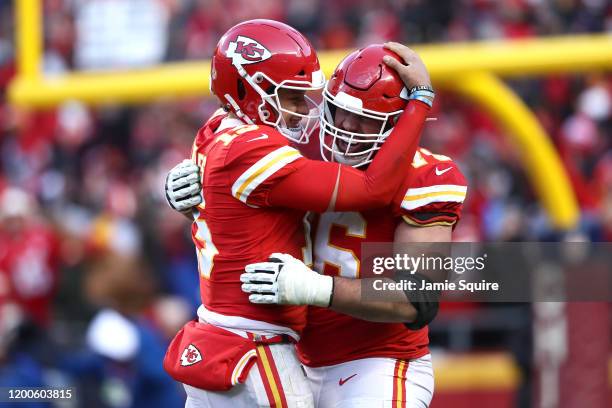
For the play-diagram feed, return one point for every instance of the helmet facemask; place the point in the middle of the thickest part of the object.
(271, 110)
(347, 147)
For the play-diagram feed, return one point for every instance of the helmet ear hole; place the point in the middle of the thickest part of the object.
(391, 123)
(265, 113)
(241, 89)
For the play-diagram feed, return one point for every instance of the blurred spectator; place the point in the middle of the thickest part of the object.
(127, 338)
(29, 257)
(20, 348)
(120, 34)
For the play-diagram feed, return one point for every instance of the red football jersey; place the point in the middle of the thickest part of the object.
(29, 270)
(234, 226)
(432, 195)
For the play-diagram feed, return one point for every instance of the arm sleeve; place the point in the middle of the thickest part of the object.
(320, 186)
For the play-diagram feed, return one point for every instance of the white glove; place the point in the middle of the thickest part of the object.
(285, 280)
(183, 189)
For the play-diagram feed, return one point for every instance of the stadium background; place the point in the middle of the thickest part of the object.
(86, 233)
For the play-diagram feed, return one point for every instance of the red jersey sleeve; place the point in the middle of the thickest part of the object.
(433, 193)
(206, 134)
(258, 160)
(322, 186)
(265, 171)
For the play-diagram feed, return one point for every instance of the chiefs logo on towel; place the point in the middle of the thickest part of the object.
(190, 356)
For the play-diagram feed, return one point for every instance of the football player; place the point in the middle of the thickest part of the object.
(356, 353)
(256, 189)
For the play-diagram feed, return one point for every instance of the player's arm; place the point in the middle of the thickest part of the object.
(398, 307)
(429, 210)
(267, 173)
(320, 186)
(286, 280)
(304, 184)
(279, 178)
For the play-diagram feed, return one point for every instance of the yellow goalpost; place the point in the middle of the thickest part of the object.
(470, 69)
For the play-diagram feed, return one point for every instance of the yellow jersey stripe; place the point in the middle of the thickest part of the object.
(263, 169)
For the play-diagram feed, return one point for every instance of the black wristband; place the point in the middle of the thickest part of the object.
(331, 295)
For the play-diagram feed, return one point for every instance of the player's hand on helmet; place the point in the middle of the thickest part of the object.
(183, 188)
(285, 280)
(413, 71)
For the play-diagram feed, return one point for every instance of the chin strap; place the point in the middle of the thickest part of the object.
(238, 111)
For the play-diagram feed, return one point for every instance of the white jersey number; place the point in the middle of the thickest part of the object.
(327, 253)
(208, 250)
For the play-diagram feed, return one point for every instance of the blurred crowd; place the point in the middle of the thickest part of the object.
(97, 273)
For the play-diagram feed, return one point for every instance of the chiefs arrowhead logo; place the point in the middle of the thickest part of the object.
(190, 356)
(245, 50)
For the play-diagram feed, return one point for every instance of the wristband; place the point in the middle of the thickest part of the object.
(420, 88)
(423, 93)
(427, 101)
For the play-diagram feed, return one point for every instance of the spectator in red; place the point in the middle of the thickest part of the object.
(29, 257)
